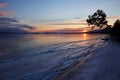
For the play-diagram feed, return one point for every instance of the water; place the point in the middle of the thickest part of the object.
(15, 42)
(41, 56)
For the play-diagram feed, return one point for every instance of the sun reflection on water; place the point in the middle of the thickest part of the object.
(84, 36)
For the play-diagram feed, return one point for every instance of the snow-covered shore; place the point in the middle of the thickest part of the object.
(102, 65)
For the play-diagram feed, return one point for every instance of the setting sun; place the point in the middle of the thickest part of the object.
(84, 30)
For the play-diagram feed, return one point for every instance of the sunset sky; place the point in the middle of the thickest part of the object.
(58, 14)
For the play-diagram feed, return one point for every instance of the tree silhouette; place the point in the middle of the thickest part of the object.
(98, 19)
(116, 29)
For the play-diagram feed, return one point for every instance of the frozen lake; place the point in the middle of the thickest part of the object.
(42, 56)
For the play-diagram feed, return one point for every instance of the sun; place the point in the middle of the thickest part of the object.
(84, 30)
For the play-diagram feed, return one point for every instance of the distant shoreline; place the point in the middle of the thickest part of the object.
(59, 33)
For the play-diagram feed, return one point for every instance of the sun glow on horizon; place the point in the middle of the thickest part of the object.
(84, 30)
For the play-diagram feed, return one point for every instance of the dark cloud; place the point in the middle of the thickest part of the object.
(12, 25)
(26, 26)
(8, 20)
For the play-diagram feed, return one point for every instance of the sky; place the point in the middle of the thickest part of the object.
(57, 14)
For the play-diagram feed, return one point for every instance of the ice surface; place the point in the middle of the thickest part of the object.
(45, 62)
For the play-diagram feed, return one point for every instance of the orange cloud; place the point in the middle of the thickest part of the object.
(6, 13)
(3, 5)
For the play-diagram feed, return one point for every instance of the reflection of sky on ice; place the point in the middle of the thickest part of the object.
(12, 43)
